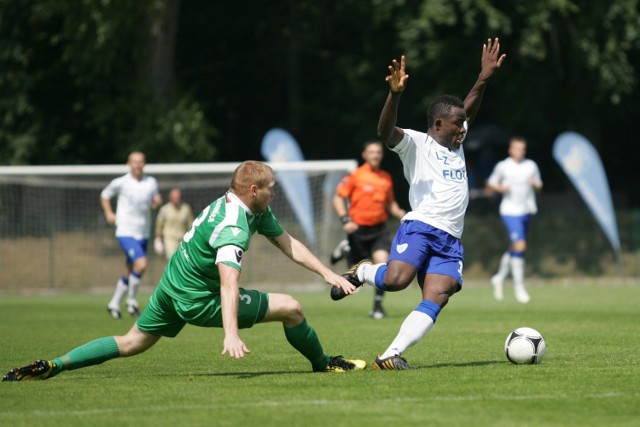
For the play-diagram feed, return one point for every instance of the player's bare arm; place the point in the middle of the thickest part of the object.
(490, 61)
(340, 205)
(109, 215)
(157, 202)
(229, 297)
(301, 255)
(397, 79)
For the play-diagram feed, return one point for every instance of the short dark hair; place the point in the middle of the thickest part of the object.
(441, 108)
(371, 142)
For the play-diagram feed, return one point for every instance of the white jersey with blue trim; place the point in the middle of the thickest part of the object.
(133, 209)
(520, 199)
(438, 186)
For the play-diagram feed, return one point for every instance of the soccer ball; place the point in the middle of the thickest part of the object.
(525, 346)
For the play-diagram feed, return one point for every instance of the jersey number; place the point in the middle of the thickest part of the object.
(196, 222)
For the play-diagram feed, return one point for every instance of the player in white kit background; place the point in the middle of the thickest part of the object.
(137, 196)
(427, 243)
(517, 179)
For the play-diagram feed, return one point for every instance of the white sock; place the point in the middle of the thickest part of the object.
(517, 270)
(134, 282)
(414, 327)
(367, 273)
(503, 269)
(121, 289)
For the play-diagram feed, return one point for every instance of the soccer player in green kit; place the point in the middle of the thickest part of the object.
(200, 286)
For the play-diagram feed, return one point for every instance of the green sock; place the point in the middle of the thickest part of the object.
(304, 339)
(92, 353)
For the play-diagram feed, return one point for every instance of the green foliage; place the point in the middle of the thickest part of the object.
(463, 378)
(73, 87)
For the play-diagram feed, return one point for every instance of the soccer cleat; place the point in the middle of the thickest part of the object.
(114, 312)
(498, 293)
(378, 313)
(340, 251)
(38, 370)
(521, 294)
(393, 363)
(133, 310)
(340, 364)
(352, 276)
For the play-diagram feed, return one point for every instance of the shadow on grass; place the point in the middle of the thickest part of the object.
(246, 375)
(463, 365)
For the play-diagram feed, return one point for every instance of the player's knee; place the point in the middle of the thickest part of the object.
(291, 310)
(140, 265)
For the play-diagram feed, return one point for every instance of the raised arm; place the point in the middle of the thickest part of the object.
(388, 132)
(491, 60)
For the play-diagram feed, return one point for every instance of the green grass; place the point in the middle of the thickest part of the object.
(590, 375)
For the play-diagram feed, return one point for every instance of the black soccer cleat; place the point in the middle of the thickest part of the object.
(114, 312)
(340, 251)
(38, 370)
(340, 364)
(352, 276)
(393, 363)
(133, 310)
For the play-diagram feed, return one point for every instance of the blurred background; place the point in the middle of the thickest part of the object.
(87, 81)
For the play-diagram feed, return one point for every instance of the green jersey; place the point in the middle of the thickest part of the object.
(221, 233)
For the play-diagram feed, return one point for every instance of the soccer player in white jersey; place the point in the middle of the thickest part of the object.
(137, 195)
(427, 243)
(201, 286)
(517, 179)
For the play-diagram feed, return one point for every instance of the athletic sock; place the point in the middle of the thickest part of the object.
(373, 274)
(134, 282)
(415, 326)
(92, 353)
(503, 269)
(121, 289)
(377, 299)
(517, 268)
(303, 338)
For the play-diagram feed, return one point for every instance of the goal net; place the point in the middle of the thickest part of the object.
(53, 235)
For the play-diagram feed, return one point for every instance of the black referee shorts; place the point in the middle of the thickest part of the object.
(368, 239)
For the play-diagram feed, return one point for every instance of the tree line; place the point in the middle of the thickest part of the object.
(86, 81)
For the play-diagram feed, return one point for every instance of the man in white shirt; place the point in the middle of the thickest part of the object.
(517, 179)
(427, 243)
(137, 196)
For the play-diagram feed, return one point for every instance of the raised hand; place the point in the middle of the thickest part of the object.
(491, 58)
(397, 77)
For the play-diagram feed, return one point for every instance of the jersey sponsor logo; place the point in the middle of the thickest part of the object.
(444, 159)
(235, 231)
(239, 255)
(459, 175)
(401, 248)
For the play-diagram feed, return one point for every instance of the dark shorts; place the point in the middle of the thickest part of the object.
(368, 239)
(429, 249)
(165, 316)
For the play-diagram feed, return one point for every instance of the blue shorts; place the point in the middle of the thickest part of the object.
(428, 249)
(133, 248)
(517, 226)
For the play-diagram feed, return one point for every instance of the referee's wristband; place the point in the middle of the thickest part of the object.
(345, 219)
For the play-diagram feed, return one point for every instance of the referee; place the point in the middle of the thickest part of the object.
(368, 193)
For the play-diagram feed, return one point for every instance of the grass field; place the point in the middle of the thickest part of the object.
(590, 375)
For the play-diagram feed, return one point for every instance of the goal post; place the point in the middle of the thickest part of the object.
(53, 235)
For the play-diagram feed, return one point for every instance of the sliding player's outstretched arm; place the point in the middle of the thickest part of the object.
(229, 296)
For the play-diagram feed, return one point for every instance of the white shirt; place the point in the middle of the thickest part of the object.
(438, 187)
(133, 209)
(520, 199)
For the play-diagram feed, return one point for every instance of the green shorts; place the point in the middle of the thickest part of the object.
(165, 316)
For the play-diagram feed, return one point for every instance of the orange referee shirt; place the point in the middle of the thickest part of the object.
(369, 193)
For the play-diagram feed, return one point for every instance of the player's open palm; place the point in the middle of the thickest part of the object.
(491, 57)
(234, 347)
(397, 77)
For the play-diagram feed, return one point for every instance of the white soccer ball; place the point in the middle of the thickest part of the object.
(525, 346)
